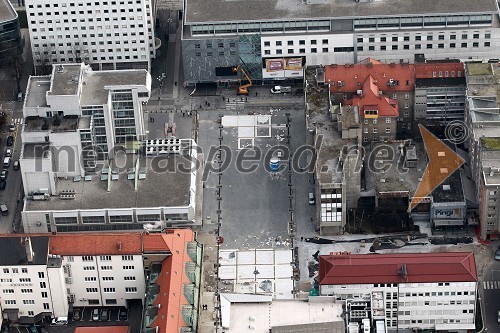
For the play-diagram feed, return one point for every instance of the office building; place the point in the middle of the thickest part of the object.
(10, 33)
(273, 40)
(50, 276)
(108, 34)
(404, 292)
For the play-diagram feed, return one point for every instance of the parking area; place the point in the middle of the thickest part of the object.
(130, 318)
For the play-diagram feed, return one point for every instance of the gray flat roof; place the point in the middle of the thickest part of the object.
(13, 252)
(199, 11)
(7, 12)
(94, 92)
(397, 177)
(160, 188)
(65, 79)
(35, 150)
(482, 79)
(454, 191)
(37, 90)
(34, 124)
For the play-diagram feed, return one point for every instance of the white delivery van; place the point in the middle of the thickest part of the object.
(281, 89)
(6, 162)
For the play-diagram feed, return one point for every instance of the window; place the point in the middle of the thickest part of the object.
(394, 38)
(406, 38)
(452, 45)
(475, 44)
(387, 120)
(325, 50)
(313, 42)
(383, 48)
(302, 42)
(109, 290)
(90, 278)
(105, 258)
(10, 301)
(440, 46)
(418, 38)
(43, 285)
(6, 270)
(290, 51)
(375, 130)
(24, 280)
(28, 301)
(371, 48)
(464, 45)
(128, 257)
(464, 36)
(89, 268)
(278, 43)
(406, 47)
(374, 121)
(91, 290)
(429, 46)
(15, 270)
(129, 278)
(360, 39)
(302, 50)
(314, 50)
(110, 301)
(487, 44)
(487, 35)
(46, 306)
(267, 43)
(407, 95)
(453, 37)
(106, 268)
(128, 268)
(24, 270)
(475, 36)
(31, 313)
(429, 37)
(394, 47)
(130, 289)
(371, 40)
(418, 46)
(87, 258)
(290, 43)
(325, 41)
(8, 291)
(359, 48)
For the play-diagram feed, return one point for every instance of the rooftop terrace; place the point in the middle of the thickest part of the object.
(6, 11)
(65, 79)
(37, 91)
(491, 143)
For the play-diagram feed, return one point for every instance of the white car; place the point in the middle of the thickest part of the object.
(95, 315)
(59, 321)
(8, 152)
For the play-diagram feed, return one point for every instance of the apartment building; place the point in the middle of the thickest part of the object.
(275, 39)
(388, 88)
(404, 292)
(439, 92)
(81, 165)
(44, 277)
(109, 34)
(10, 33)
(482, 137)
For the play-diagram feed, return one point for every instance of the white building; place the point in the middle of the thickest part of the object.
(41, 276)
(407, 291)
(81, 138)
(273, 40)
(108, 34)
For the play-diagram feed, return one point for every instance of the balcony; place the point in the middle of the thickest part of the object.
(150, 315)
(152, 293)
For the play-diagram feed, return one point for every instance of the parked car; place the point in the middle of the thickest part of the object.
(123, 314)
(497, 254)
(77, 314)
(3, 184)
(10, 140)
(95, 314)
(12, 127)
(4, 173)
(32, 329)
(8, 152)
(105, 315)
(16, 165)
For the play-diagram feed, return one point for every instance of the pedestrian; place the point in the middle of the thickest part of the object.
(223, 98)
(183, 114)
(159, 98)
(246, 99)
(256, 94)
(301, 239)
(200, 107)
(208, 103)
(176, 83)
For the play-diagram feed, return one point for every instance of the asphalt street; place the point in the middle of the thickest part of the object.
(489, 290)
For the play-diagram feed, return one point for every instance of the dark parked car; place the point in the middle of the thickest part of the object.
(497, 254)
(10, 140)
(4, 173)
(3, 184)
(105, 315)
(76, 314)
(123, 315)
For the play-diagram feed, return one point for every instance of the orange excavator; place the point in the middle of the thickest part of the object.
(243, 89)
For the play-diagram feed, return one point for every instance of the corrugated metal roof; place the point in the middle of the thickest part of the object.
(386, 268)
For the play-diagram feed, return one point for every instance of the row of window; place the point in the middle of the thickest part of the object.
(375, 130)
(418, 38)
(16, 270)
(312, 50)
(81, 4)
(301, 42)
(427, 46)
(107, 258)
(435, 293)
(108, 278)
(117, 219)
(110, 58)
(111, 290)
(107, 268)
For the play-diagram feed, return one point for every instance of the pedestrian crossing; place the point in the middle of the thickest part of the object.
(18, 120)
(491, 284)
(235, 105)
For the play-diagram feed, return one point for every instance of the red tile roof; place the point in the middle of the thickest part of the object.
(171, 280)
(96, 243)
(386, 268)
(353, 75)
(431, 70)
(372, 100)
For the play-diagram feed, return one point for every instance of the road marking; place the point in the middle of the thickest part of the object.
(484, 284)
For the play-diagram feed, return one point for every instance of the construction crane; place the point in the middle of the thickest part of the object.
(243, 89)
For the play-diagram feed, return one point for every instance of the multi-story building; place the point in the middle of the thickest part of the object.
(407, 291)
(439, 92)
(390, 88)
(273, 40)
(110, 34)
(482, 136)
(10, 33)
(44, 277)
(81, 135)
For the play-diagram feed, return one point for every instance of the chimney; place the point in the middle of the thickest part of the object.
(29, 249)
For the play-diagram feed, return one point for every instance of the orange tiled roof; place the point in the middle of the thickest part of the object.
(353, 75)
(371, 99)
(171, 280)
(96, 243)
(431, 70)
(154, 243)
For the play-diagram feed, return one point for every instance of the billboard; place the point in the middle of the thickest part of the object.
(280, 68)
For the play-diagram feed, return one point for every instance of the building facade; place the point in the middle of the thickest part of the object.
(407, 292)
(103, 270)
(10, 34)
(439, 92)
(273, 41)
(107, 34)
